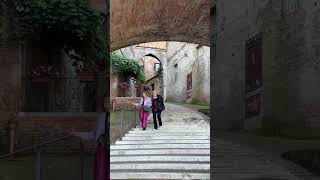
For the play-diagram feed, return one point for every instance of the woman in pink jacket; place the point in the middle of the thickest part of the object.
(145, 108)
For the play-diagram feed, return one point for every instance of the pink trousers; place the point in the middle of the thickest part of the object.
(143, 118)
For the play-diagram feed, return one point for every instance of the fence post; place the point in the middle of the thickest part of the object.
(121, 123)
(38, 163)
(135, 117)
(82, 158)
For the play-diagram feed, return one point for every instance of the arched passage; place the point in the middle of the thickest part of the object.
(152, 67)
(139, 21)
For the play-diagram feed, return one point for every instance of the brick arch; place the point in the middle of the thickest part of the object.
(139, 21)
(153, 56)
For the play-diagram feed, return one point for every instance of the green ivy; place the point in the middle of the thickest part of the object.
(69, 24)
(130, 67)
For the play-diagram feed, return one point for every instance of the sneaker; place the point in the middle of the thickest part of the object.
(155, 128)
(144, 129)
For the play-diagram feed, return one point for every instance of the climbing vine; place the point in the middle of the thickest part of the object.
(130, 67)
(62, 24)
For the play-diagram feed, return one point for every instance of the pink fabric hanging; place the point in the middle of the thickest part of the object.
(102, 169)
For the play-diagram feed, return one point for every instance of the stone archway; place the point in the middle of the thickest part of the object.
(158, 80)
(138, 21)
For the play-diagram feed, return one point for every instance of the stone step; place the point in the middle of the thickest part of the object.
(162, 130)
(165, 137)
(159, 133)
(181, 126)
(162, 166)
(161, 146)
(173, 129)
(166, 141)
(159, 175)
(163, 158)
(161, 152)
(180, 122)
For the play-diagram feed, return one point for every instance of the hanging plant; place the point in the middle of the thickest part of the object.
(129, 67)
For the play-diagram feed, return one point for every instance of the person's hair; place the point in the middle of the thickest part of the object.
(146, 92)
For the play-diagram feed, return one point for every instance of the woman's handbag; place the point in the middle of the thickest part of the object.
(146, 108)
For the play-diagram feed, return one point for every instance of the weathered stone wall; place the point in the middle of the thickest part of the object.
(237, 22)
(289, 57)
(302, 36)
(182, 59)
(201, 76)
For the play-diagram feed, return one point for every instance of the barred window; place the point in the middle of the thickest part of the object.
(289, 7)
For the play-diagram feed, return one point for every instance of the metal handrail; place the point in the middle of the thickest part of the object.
(34, 146)
(38, 163)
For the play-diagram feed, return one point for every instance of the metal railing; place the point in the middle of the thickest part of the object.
(123, 121)
(126, 119)
(38, 160)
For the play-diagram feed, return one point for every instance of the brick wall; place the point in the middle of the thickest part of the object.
(10, 85)
(35, 128)
(184, 21)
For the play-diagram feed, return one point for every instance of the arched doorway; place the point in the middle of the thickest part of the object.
(152, 68)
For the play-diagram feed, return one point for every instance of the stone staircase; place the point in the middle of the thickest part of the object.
(178, 150)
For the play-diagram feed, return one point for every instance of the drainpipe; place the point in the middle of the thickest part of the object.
(12, 128)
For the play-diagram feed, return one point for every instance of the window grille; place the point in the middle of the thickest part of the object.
(289, 7)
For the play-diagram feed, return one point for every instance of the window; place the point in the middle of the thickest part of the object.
(189, 85)
(156, 66)
(175, 73)
(289, 6)
(189, 81)
(254, 63)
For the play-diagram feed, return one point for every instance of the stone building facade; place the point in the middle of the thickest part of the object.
(149, 55)
(188, 77)
(178, 61)
(270, 73)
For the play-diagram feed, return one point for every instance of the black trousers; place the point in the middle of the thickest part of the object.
(157, 115)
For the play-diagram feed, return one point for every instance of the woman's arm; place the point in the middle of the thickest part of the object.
(137, 103)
